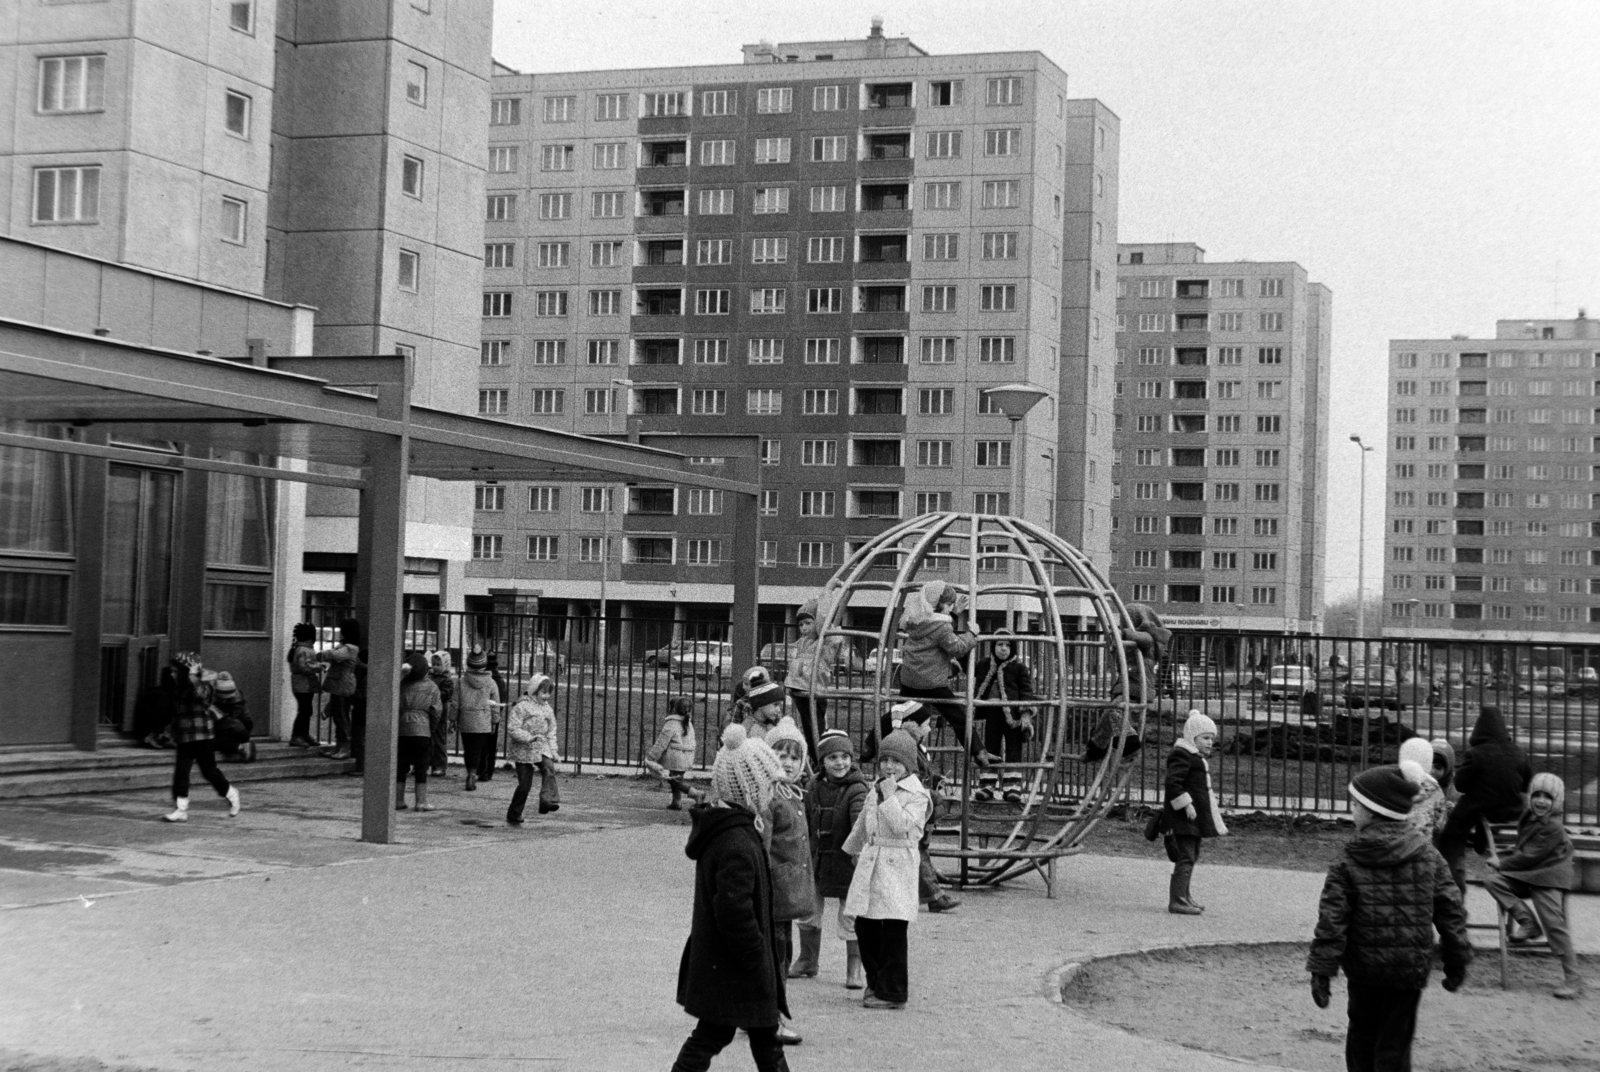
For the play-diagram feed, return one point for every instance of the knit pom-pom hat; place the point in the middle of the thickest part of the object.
(786, 732)
(764, 695)
(1545, 782)
(808, 609)
(1196, 724)
(900, 745)
(1419, 751)
(477, 659)
(1384, 791)
(745, 770)
(833, 741)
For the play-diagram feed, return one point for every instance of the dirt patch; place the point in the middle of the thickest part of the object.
(1292, 842)
(18, 1061)
(1254, 1002)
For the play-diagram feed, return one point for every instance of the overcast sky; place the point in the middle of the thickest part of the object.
(1436, 164)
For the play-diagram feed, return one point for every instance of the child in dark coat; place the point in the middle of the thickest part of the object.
(1539, 869)
(1382, 900)
(833, 802)
(1191, 813)
(728, 977)
(1491, 779)
(1002, 675)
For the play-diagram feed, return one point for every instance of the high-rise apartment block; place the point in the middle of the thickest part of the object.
(833, 245)
(1494, 458)
(1220, 507)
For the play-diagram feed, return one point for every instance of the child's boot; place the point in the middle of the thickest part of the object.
(1177, 892)
(805, 967)
(1572, 987)
(400, 796)
(1524, 928)
(422, 797)
(676, 804)
(233, 801)
(179, 812)
(852, 966)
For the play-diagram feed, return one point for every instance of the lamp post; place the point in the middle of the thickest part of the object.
(1361, 545)
(605, 533)
(1015, 400)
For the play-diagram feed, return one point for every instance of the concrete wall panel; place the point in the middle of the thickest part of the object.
(161, 227)
(47, 716)
(70, 288)
(170, 95)
(176, 313)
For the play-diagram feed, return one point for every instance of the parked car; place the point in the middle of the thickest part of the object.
(1373, 686)
(1290, 682)
(1584, 681)
(1542, 681)
(664, 655)
(870, 665)
(704, 658)
(776, 658)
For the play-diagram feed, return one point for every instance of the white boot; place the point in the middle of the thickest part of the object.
(233, 801)
(179, 812)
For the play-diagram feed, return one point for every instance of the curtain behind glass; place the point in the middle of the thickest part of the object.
(238, 531)
(36, 496)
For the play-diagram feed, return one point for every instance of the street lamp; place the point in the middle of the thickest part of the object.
(605, 532)
(1014, 400)
(1361, 545)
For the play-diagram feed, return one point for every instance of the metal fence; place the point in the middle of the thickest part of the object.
(1299, 716)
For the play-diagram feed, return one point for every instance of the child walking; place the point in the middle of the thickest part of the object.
(883, 890)
(420, 706)
(1539, 869)
(476, 701)
(728, 977)
(794, 891)
(1191, 814)
(531, 728)
(833, 803)
(191, 732)
(1382, 900)
(672, 754)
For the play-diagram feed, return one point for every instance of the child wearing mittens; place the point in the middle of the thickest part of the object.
(789, 849)
(883, 890)
(833, 803)
(672, 754)
(1191, 814)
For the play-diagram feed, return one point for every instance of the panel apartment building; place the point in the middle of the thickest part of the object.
(833, 245)
(1220, 512)
(1494, 456)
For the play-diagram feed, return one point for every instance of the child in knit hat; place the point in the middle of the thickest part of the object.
(728, 977)
(883, 889)
(1431, 808)
(837, 794)
(1539, 869)
(1191, 813)
(1382, 900)
(789, 848)
(234, 724)
(672, 754)
(531, 732)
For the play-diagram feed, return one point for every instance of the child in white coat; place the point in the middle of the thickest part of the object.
(883, 891)
(531, 727)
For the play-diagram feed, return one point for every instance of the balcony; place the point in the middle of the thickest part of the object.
(886, 197)
(883, 350)
(1189, 355)
(658, 154)
(878, 401)
(1189, 389)
(875, 504)
(876, 452)
(881, 300)
(664, 302)
(890, 146)
(658, 352)
(662, 252)
(1186, 456)
(886, 95)
(1193, 288)
(661, 203)
(883, 249)
(1188, 423)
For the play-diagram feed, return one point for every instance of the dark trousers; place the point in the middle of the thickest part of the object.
(883, 954)
(955, 714)
(203, 753)
(1382, 1021)
(339, 711)
(473, 747)
(709, 1039)
(304, 704)
(412, 757)
(439, 747)
(549, 794)
(1184, 852)
(491, 752)
(358, 729)
(1464, 824)
(812, 718)
(927, 877)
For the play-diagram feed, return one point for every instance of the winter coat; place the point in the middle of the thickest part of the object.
(729, 970)
(1543, 854)
(1493, 775)
(341, 662)
(832, 807)
(531, 730)
(1430, 809)
(674, 747)
(926, 652)
(193, 718)
(1189, 782)
(798, 677)
(445, 681)
(1009, 680)
(475, 701)
(794, 891)
(884, 842)
(1381, 902)
(419, 705)
(305, 675)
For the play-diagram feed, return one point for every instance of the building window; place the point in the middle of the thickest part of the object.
(769, 251)
(1002, 193)
(605, 303)
(944, 144)
(999, 91)
(764, 400)
(814, 452)
(719, 102)
(936, 401)
(998, 297)
(935, 454)
(493, 351)
(555, 157)
(1000, 246)
(939, 299)
(236, 116)
(555, 206)
(1271, 322)
(416, 84)
(774, 100)
(488, 548)
(720, 152)
(941, 195)
(830, 149)
(409, 265)
(997, 349)
(500, 208)
(650, 550)
(235, 223)
(708, 402)
(543, 548)
(994, 453)
(242, 16)
(1272, 287)
(489, 497)
(822, 351)
(824, 300)
(554, 254)
(816, 504)
(773, 150)
(550, 351)
(610, 106)
(1006, 142)
(550, 303)
(599, 401)
(704, 552)
(66, 195)
(770, 200)
(817, 555)
(766, 301)
(827, 99)
(497, 303)
(828, 199)
(505, 112)
(711, 351)
(992, 502)
(712, 302)
(819, 402)
(560, 109)
(705, 501)
(1264, 595)
(411, 176)
(606, 205)
(549, 400)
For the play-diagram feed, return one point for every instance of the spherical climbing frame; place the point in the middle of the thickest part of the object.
(1081, 683)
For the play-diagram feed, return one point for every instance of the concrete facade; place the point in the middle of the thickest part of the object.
(1491, 492)
(1222, 449)
(836, 253)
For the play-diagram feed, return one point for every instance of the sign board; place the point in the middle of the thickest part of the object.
(1172, 621)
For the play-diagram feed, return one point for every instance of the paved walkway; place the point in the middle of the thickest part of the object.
(278, 941)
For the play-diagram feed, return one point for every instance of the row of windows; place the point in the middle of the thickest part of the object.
(1575, 388)
(71, 195)
(1405, 526)
(764, 200)
(1192, 423)
(1439, 582)
(768, 249)
(1181, 390)
(1499, 500)
(1494, 612)
(1444, 470)
(763, 301)
(1266, 287)
(769, 100)
(1196, 356)
(1496, 556)
(1260, 595)
(863, 350)
(1195, 491)
(1500, 444)
(713, 401)
(1260, 561)
(1571, 359)
(1158, 524)
(71, 85)
(1535, 415)
(1154, 322)
(1196, 456)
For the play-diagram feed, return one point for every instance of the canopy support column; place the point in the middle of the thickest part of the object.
(746, 568)
(87, 593)
(187, 616)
